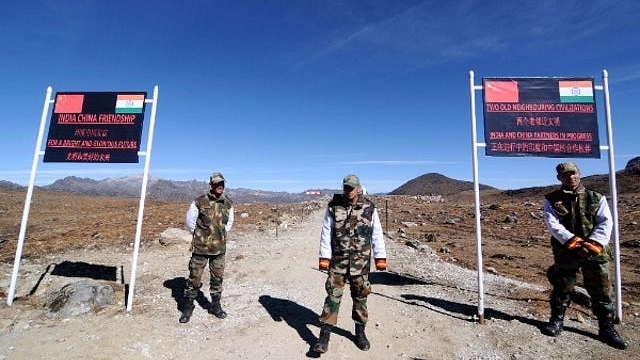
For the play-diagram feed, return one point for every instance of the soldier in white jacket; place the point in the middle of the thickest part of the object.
(209, 218)
(580, 224)
(351, 235)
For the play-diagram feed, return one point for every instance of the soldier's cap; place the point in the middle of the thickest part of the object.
(216, 178)
(566, 167)
(351, 180)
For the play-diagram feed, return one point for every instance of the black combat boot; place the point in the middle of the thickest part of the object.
(323, 340)
(608, 334)
(187, 311)
(215, 308)
(361, 339)
(556, 321)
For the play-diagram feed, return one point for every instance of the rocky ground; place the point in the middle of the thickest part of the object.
(424, 307)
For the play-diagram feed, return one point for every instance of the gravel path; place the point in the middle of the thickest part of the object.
(422, 308)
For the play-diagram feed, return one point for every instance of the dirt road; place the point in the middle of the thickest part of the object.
(422, 308)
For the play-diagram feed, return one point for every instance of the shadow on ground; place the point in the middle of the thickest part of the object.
(469, 313)
(299, 318)
(177, 286)
(79, 269)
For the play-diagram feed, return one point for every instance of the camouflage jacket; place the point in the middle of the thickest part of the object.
(210, 233)
(583, 212)
(351, 232)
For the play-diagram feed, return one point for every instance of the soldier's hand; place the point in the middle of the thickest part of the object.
(593, 247)
(323, 264)
(575, 243)
(381, 264)
(578, 246)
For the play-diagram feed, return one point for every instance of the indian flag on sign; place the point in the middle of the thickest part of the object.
(129, 103)
(576, 91)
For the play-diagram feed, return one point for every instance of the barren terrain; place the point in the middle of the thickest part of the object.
(424, 307)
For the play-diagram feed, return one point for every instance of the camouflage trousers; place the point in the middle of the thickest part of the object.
(595, 273)
(196, 270)
(360, 288)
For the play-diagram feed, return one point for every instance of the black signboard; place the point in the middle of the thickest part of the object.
(546, 117)
(96, 127)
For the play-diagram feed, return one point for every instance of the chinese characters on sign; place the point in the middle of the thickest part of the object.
(547, 117)
(103, 127)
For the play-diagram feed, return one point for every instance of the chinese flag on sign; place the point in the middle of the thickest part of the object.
(501, 91)
(68, 104)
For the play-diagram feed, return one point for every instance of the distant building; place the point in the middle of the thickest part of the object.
(313, 192)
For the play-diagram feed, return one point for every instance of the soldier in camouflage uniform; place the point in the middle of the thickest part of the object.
(351, 232)
(209, 218)
(580, 223)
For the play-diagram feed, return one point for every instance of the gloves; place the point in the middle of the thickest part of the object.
(574, 243)
(593, 247)
(583, 247)
(381, 264)
(323, 264)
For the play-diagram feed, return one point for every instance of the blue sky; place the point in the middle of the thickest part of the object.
(291, 95)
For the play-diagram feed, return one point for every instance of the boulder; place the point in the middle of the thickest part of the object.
(172, 235)
(79, 298)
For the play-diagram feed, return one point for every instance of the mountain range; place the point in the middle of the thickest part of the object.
(162, 189)
(427, 184)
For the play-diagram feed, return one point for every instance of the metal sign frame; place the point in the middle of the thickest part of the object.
(612, 183)
(27, 204)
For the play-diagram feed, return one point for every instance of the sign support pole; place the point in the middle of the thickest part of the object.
(614, 195)
(143, 195)
(27, 203)
(476, 191)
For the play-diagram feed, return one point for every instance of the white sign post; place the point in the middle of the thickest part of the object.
(38, 153)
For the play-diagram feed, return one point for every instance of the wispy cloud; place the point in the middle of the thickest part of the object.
(626, 73)
(418, 36)
(431, 33)
(627, 156)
